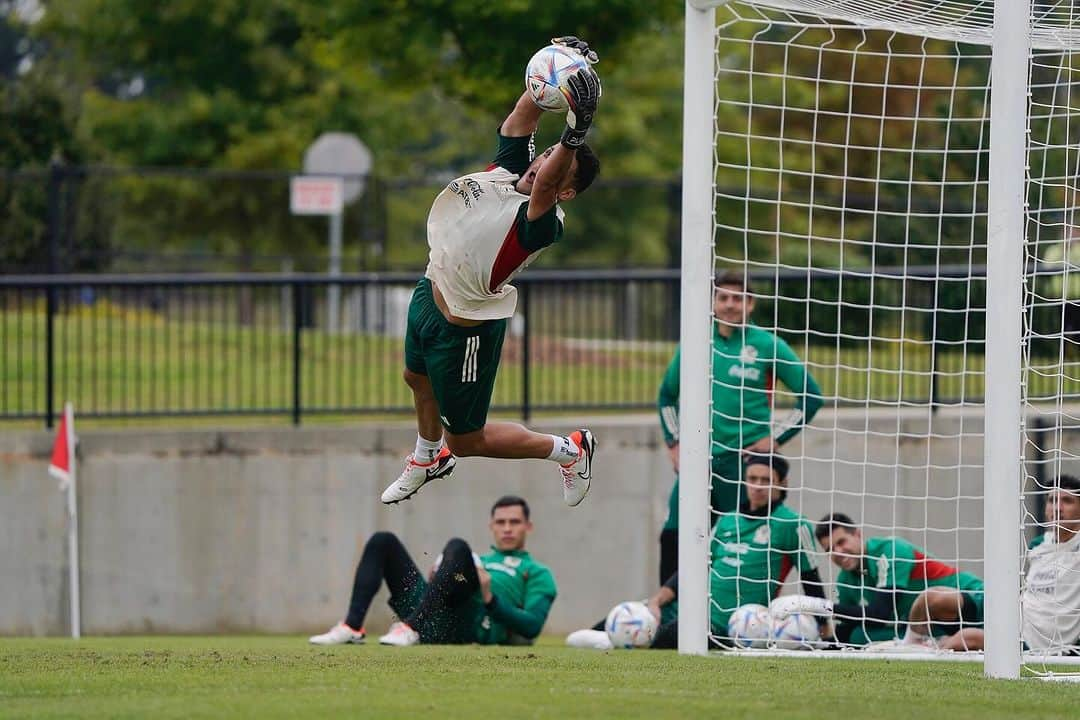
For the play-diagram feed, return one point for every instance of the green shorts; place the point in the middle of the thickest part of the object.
(460, 362)
(724, 495)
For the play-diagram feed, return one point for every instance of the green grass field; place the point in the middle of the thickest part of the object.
(269, 677)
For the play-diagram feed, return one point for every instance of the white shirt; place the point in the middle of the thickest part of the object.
(472, 230)
(1051, 595)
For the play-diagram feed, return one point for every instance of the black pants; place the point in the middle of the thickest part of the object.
(442, 611)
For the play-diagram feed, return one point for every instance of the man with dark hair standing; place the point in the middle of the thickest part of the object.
(502, 597)
(747, 361)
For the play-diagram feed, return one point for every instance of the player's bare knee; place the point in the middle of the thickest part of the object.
(417, 383)
(466, 445)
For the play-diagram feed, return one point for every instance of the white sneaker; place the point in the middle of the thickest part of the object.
(340, 634)
(415, 476)
(589, 639)
(577, 476)
(400, 635)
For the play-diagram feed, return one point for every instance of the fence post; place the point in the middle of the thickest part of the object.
(526, 410)
(298, 304)
(56, 180)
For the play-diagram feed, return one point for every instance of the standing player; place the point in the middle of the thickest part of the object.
(746, 361)
(483, 230)
(885, 582)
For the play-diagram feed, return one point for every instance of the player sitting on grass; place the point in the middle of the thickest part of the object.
(484, 229)
(753, 550)
(1051, 595)
(502, 597)
(887, 585)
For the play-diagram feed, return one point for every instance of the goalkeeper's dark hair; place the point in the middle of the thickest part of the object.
(588, 167)
(832, 522)
(511, 501)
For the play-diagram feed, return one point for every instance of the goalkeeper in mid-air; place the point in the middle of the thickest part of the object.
(483, 229)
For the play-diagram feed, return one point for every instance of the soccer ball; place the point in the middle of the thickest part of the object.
(630, 625)
(547, 73)
(798, 631)
(748, 626)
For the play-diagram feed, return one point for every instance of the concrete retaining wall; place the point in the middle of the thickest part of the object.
(260, 530)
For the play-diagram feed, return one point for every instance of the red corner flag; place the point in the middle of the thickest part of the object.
(60, 465)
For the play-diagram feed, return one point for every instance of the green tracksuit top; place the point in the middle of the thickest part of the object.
(745, 368)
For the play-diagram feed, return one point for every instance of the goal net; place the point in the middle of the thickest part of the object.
(918, 282)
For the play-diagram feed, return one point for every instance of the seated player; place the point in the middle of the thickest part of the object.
(502, 597)
(753, 550)
(1050, 599)
(887, 585)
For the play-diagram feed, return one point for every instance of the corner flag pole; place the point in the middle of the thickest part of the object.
(62, 467)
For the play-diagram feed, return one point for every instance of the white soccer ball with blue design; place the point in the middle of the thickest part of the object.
(546, 75)
(631, 625)
(798, 631)
(748, 626)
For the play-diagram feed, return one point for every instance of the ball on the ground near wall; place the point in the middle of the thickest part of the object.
(748, 626)
(631, 625)
(547, 72)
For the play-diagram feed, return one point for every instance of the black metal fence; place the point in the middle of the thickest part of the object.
(127, 346)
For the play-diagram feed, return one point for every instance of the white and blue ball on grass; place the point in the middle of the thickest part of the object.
(749, 626)
(631, 625)
(798, 631)
(546, 75)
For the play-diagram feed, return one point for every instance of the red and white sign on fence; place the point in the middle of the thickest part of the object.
(314, 195)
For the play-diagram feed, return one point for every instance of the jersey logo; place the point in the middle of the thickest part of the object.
(511, 561)
(882, 571)
(762, 535)
(748, 354)
(467, 189)
(746, 373)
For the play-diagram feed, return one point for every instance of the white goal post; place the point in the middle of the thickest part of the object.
(863, 162)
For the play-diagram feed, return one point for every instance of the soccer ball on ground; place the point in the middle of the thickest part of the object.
(798, 631)
(748, 626)
(547, 73)
(630, 625)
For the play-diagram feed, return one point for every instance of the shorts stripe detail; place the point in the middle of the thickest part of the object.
(468, 367)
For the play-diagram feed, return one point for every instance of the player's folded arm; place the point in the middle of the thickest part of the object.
(526, 622)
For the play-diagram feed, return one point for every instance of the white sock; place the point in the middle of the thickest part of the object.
(426, 450)
(913, 638)
(563, 450)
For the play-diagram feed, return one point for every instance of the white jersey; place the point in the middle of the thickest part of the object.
(472, 233)
(1051, 596)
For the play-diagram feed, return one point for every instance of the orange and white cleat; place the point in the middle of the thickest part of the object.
(416, 476)
(577, 476)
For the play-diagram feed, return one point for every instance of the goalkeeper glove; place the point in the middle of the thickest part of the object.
(781, 607)
(585, 91)
(581, 46)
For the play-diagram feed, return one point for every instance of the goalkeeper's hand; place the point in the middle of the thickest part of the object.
(781, 607)
(581, 46)
(585, 91)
